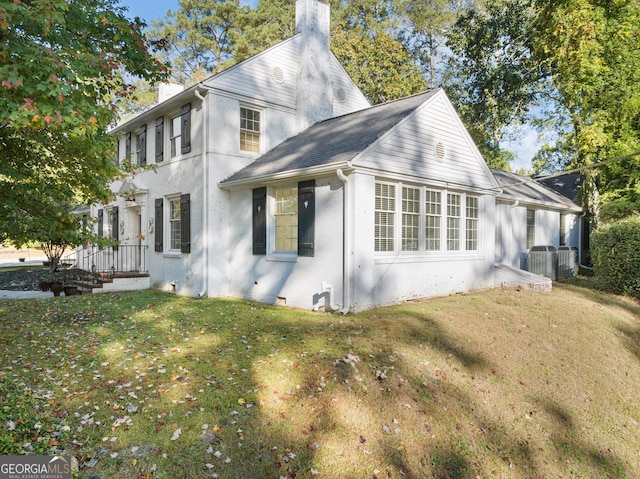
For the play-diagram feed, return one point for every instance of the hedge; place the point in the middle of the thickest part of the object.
(615, 252)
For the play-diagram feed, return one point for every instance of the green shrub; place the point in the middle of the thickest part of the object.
(615, 252)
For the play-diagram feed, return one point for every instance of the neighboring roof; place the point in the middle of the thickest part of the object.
(567, 185)
(331, 142)
(524, 188)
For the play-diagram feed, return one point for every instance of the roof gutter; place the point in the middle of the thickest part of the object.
(299, 173)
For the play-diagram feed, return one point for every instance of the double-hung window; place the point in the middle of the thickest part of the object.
(291, 221)
(174, 224)
(286, 220)
(385, 217)
(433, 218)
(454, 215)
(180, 132)
(413, 219)
(176, 136)
(473, 214)
(410, 219)
(249, 130)
(531, 228)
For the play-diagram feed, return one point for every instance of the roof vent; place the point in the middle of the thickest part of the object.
(278, 75)
(440, 151)
(342, 95)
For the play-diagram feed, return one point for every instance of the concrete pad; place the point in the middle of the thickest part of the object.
(6, 294)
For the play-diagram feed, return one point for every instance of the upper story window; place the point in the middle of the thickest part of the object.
(175, 137)
(413, 217)
(180, 132)
(249, 130)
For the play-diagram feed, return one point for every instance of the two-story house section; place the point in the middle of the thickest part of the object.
(172, 219)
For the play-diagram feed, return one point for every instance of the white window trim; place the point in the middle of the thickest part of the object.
(272, 254)
(168, 250)
(261, 143)
(422, 254)
(170, 137)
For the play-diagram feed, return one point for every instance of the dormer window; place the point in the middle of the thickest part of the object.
(249, 130)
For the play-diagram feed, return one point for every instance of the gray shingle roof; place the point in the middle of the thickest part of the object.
(333, 141)
(567, 185)
(525, 188)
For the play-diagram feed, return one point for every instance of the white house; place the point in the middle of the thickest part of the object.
(275, 180)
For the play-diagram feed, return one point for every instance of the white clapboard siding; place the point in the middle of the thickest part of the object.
(410, 148)
(347, 97)
(255, 77)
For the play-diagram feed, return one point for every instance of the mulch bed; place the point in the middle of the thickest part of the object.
(28, 279)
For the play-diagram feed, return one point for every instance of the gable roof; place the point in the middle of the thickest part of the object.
(330, 143)
(524, 188)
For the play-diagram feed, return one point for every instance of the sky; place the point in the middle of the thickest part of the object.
(150, 10)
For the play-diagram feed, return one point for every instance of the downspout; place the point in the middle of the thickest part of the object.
(205, 194)
(346, 241)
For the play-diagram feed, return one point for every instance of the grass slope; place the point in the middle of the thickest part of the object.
(499, 384)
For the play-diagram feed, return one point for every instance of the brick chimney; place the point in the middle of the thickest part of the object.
(314, 89)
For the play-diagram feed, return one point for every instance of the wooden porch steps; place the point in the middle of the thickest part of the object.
(88, 283)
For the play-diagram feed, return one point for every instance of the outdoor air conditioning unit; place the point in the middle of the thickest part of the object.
(567, 261)
(543, 260)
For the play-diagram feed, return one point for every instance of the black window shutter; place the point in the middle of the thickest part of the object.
(306, 217)
(260, 221)
(100, 223)
(117, 151)
(143, 145)
(185, 223)
(115, 220)
(185, 132)
(159, 225)
(127, 146)
(159, 139)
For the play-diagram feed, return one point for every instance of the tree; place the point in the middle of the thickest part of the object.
(62, 65)
(494, 78)
(362, 40)
(380, 66)
(592, 49)
(271, 22)
(426, 24)
(200, 37)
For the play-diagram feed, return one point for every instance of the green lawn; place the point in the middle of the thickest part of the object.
(498, 384)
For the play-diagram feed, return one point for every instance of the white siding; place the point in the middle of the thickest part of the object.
(410, 148)
(254, 78)
(384, 279)
(347, 98)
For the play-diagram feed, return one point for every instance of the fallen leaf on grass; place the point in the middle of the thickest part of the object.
(176, 434)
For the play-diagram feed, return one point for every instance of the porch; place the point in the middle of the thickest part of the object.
(109, 268)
